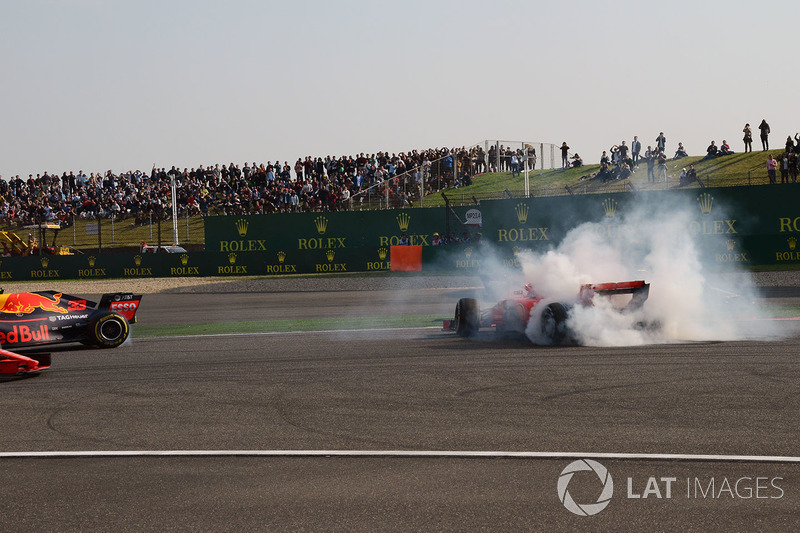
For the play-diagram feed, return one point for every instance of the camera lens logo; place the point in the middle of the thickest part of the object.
(585, 509)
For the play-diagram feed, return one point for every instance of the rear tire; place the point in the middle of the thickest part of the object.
(108, 330)
(554, 323)
(468, 317)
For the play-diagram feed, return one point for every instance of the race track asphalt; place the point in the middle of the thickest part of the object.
(408, 390)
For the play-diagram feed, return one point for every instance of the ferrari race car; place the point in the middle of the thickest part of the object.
(16, 365)
(48, 317)
(513, 314)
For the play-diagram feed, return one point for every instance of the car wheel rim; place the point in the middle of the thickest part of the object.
(111, 330)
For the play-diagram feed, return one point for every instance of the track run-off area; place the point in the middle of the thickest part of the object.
(395, 425)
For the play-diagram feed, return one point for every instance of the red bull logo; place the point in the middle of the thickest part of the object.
(28, 302)
(23, 334)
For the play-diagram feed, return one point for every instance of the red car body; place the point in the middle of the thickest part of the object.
(16, 365)
(513, 314)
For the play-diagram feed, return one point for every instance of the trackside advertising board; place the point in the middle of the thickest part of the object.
(757, 225)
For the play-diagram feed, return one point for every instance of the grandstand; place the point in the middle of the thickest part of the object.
(124, 209)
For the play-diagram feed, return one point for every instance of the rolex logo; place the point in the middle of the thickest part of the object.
(610, 207)
(522, 212)
(706, 201)
(792, 243)
(382, 253)
(232, 258)
(515, 250)
(402, 221)
(91, 260)
(468, 252)
(321, 223)
(731, 244)
(330, 254)
(45, 261)
(137, 260)
(184, 259)
(241, 227)
(281, 257)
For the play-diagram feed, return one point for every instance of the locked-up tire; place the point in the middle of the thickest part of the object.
(554, 323)
(108, 330)
(468, 317)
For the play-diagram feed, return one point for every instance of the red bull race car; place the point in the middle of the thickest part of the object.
(32, 319)
(511, 315)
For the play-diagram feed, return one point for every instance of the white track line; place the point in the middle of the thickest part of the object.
(406, 454)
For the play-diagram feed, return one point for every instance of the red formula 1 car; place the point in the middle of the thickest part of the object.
(32, 319)
(512, 314)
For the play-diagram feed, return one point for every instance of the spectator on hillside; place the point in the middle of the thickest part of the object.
(680, 152)
(764, 127)
(623, 151)
(662, 166)
(688, 176)
(661, 142)
(514, 165)
(711, 151)
(636, 149)
(564, 155)
(748, 138)
(650, 158)
(772, 166)
(724, 148)
(784, 164)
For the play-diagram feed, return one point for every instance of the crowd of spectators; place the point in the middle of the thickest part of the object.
(311, 184)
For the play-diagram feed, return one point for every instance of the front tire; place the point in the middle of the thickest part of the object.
(554, 323)
(108, 330)
(468, 317)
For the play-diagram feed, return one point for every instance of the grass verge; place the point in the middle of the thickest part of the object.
(272, 326)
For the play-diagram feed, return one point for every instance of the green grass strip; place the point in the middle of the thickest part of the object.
(783, 310)
(264, 326)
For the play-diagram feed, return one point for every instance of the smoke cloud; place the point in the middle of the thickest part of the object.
(653, 242)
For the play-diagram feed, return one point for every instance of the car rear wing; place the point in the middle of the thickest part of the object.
(124, 303)
(639, 290)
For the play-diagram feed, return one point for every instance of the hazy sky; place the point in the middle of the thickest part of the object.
(113, 84)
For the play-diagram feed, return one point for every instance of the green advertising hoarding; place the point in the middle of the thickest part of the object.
(757, 225)
(332, 230)
(749, 225)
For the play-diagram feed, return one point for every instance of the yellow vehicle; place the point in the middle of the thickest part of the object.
(13, 244)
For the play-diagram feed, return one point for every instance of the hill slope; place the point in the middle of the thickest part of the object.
(725, 171)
